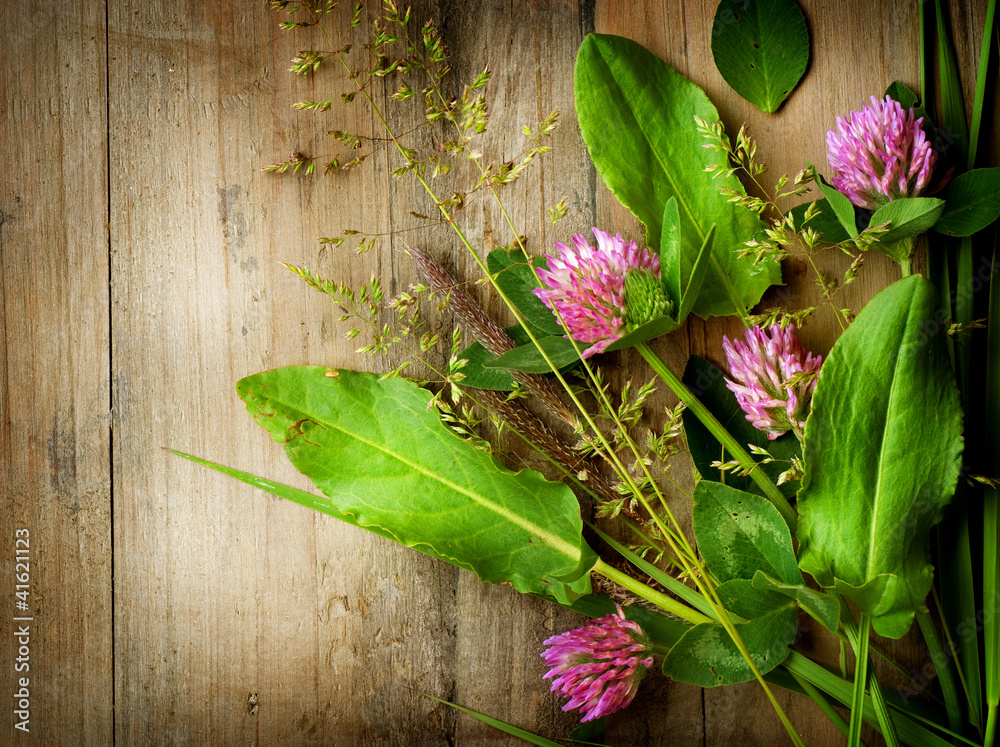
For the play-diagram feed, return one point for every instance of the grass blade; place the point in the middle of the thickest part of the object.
(942, 664)
(984, 63)
(953, 108)
(527, 736)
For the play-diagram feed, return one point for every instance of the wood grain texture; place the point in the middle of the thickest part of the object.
(238, 618)
(54, 385)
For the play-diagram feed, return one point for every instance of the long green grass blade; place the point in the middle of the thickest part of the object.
(527, 736)
(991, 514)
(942, 664)
(860, 642)
(953, 108)
(984, 63)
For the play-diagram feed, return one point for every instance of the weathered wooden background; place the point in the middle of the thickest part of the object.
(140, 278)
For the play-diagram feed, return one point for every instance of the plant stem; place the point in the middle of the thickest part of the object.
(906, 265)
(650, 595)
(942, 664)
(716, 428)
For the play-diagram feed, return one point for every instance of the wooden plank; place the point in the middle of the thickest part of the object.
(54, 387)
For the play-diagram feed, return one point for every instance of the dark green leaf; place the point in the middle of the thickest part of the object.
(739, 534)
(824, 222)
(517, 280)
(842, 207)
(643, 333)
(953, 124)
(637, 115)
(973, 203)
(386, 460)
(909, 216)
(708, 384)
(882, 451)
(900, 93)
(823, 607)
(706, 655)
(528, 358)
(589, 731)
(478, 376)
(761, 49)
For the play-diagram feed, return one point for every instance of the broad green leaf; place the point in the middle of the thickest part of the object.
(823, 607)
(842, 207)
(909, 216)
(739, 534)
(882, 452)
(824, 222)
(560, 350)
(384, 458)
(706, 655)
(761, 49)
(517, 280)
(478, 376)
(708, 384)
(636, 115)
(973, 203)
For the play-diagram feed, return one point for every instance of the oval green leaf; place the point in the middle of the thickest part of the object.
(824, 221)
(882, 452)
(972, 204)
(841, 206)
(636, 115)
(907, 216)
(385, 460)
(761, 49)
(518, 280)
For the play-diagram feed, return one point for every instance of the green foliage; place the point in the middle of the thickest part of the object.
(528, 358)
(739, 534)
(706, 655)
(708, 384)
(517, 280)
(882, 452)
(821, 219)
(909, 217)
(823, 607)
(381, 454)
(841, 206)
(973, 203)
(761, 49)
(637, 117)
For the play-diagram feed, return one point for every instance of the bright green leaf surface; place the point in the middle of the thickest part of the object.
(909, 216)
(693, 272)
(973, 203)
(560, 350)
(670, 252)
(883, 452)
(761, 49)
(739, 534)
(636, 115)
(478, 376)
(708, 383)
(388, 462)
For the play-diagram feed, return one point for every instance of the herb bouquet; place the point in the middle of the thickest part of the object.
(825, 486)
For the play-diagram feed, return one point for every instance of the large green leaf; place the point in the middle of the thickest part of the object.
(708, 383)
(739, 534)
(882, 452)
(761, 49)
(388, 463)
(907, 217)
(706, 655)
(973, 203)
(636, 115)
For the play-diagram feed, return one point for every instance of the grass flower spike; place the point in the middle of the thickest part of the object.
(587, 286)
(879, 154)
(599, 666)
(773, 379)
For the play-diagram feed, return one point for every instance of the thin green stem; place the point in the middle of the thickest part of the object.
(906, 265)
(734, 447)
(652, 596)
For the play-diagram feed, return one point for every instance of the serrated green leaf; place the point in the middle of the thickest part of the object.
(882, 453)
(708, 383)
(386, 461)
(739, 534)
(636, 115)
(824, 222)
(761, 49)
(842, 207)
(909, 216)
(517, 280)
(972, 203)
(823, 607)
